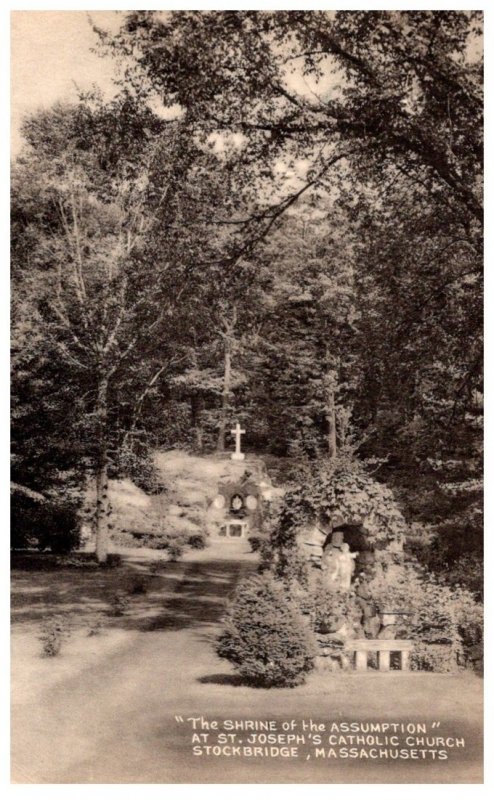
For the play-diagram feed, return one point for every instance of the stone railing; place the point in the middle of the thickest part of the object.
(334, 653)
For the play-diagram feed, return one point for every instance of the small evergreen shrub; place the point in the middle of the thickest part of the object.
(95, 628)
(53, 634)
(113, 560)
(197, 541)
(265, 636)
(119, 603)
(139, 585)
(255, 543)
(158, 542)
(175, 550)
(126, 539)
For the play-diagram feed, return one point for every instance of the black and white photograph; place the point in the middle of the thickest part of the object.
(246, 487)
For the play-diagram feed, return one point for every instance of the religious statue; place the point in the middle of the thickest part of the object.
(339, 564)
(345, 566)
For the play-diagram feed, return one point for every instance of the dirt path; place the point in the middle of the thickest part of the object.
(115, 721)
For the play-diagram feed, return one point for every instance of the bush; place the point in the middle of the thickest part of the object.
(126, 539)
(467, 571)
(197, 541)
(113, 560)
(119, 604)
(265, 636)
(156, 542)
(255, 543)
(139, 585)
(332, 611)
(289, 564)
(175, 550)
(53, 633)
(446, 622)
(44, 524)
(62, 533)
(442, 551)
(95, 628)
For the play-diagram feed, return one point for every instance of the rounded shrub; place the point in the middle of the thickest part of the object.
(62, 531)
(175, 550)
(265, 636)
(44, 524)
(197, 541)
(255, 543)
(54, 632)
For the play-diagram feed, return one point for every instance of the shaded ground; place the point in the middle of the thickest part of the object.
(105, 710)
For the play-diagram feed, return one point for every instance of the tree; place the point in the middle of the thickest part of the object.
(403, 87)
(301, 367)
(379, 111)
(91, 187)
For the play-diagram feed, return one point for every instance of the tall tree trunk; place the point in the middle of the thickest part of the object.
(196, 409)
(225, 401)
(331, 417)
(102, 498)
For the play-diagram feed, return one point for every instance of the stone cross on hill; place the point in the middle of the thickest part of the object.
(237, 432)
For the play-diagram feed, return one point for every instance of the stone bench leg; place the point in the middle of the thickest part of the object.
(361, 661)
(383, 658)
(405, 660)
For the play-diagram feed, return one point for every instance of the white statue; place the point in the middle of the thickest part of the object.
(344, 566)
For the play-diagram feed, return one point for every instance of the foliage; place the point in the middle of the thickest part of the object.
(467, 572)
(446, 622)
(197, 541)
(330, 611)
(175, 550)
(137, 464)
(410, 99)
(255, 543)
(102, 253)
(44, 523)
(343, 491)
(119, 604)
(95, 628)
(139, 585)
(358, 136)
(265, 636)
(62, 534)
(452, 559)
(55, 631)
(289, 565)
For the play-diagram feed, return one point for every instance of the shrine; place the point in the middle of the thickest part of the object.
(244, 489)
(239, 502)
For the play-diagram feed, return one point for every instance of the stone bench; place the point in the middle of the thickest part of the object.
(383, 648)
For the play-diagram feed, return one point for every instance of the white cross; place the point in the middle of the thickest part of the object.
(237, 432)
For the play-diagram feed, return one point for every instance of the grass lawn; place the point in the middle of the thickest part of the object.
(105, 709)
